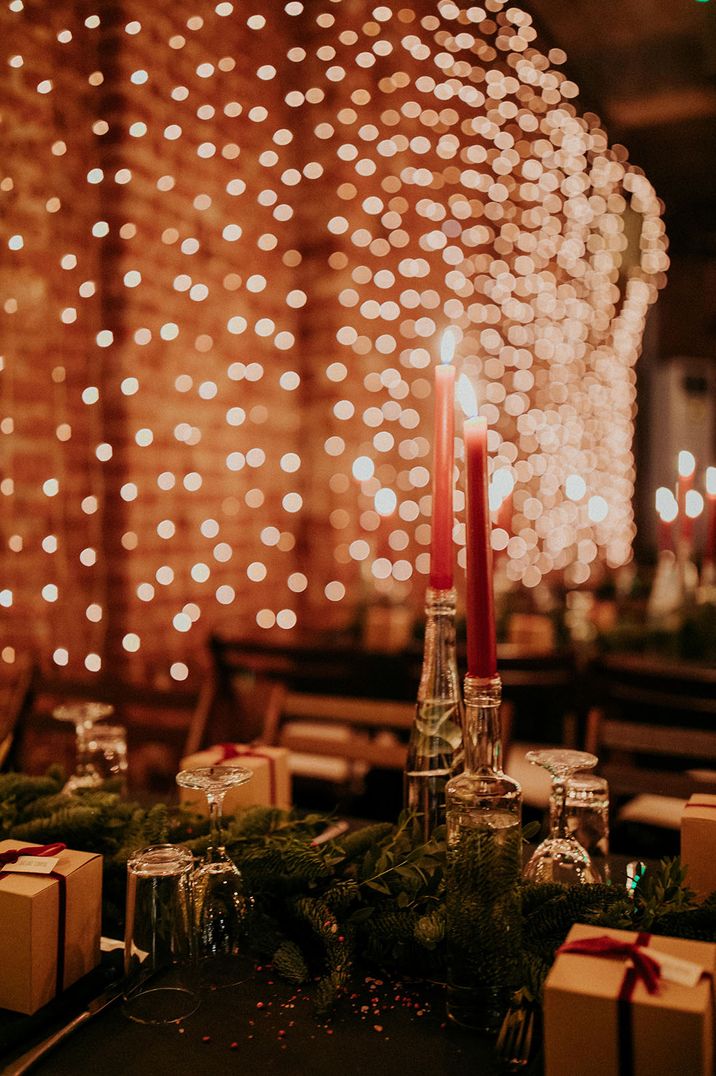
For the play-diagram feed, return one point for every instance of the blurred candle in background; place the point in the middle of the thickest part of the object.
(693, 507)
(667, 509)
(480, 602)
(710, 549)
(441, 547)
(686, 469)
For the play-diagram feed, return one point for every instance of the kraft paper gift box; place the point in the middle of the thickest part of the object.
(600, 1019)
(48, 938)
(270, 785)
(698, 843)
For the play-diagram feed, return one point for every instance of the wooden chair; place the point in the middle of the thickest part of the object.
(157, 721)
(13, 693)
(371, 731)
(238, 703)
(543, 706)
(652, 729)
(340, 711)
(261, 690)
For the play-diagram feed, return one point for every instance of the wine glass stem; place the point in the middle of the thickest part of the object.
(216, 802)
(81, 748)
(559, 792)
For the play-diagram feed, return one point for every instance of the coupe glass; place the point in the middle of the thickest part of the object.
(560, 857)
(221, 905)
(83, 715)
(587, 818)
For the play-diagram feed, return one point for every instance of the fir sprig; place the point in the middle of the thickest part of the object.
(374, 896)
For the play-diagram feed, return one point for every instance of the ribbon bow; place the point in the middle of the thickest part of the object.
(646, 968)
(12, 856)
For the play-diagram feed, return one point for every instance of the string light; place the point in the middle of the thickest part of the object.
(442, 177)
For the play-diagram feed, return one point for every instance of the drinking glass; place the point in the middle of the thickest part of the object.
(560, 857)
(106, 747)
(83, 715)
(159, 965)
(587, 817)
(221, 905)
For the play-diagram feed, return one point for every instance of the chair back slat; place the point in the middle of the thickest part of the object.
(658, 740)
(651, 728)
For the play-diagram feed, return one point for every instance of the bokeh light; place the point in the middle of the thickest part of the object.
(243, 284)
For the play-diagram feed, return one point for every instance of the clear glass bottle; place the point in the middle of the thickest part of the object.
(435, 749)
(484, 866)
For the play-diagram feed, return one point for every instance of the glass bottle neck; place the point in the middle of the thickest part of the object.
(482, 733)
(439, 677)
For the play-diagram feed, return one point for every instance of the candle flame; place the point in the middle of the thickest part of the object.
(467, 397)
(687, 463)
(693, 504)
(711, 481)
(666, 505)
(447, 346)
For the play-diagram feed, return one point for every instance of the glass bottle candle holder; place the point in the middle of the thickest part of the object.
(435, 748)
(484, 864)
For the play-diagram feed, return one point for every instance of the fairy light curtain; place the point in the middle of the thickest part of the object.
(233, 238)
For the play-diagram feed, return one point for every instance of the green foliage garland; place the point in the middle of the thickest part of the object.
(371, 897)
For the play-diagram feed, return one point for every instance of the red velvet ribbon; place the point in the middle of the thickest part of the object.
(642, 967)
(232, 750)
(48, 850)
(13, 854)
(645, 967)
(712, 805)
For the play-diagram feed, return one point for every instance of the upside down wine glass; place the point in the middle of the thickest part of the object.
(83, 715)
(560, 857)
(221, 905)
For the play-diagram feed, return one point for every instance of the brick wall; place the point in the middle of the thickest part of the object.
(266, 220)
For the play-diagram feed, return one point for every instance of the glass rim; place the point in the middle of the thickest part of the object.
(83, 711)
(587, 782)
(108, 730)
(562, 757)
(164, 858)
(199, 777)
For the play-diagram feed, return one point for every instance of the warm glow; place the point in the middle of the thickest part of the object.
(686, 464)
(502, 484)
(597, 509)
(467, 397)
(711, 481)
(575, 487)
(447, 346)
(693, 504)
(664, 500)
(363, 468)
(385, 502)
(666, 504)
(291, 236)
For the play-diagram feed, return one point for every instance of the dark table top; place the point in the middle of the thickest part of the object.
(266, 1025)
(263, 1025)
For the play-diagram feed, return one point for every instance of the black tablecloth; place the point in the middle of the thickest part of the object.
(265, 1025)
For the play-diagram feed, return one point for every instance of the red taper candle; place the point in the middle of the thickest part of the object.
(710, 548)
(686, 468)
(481, 636)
